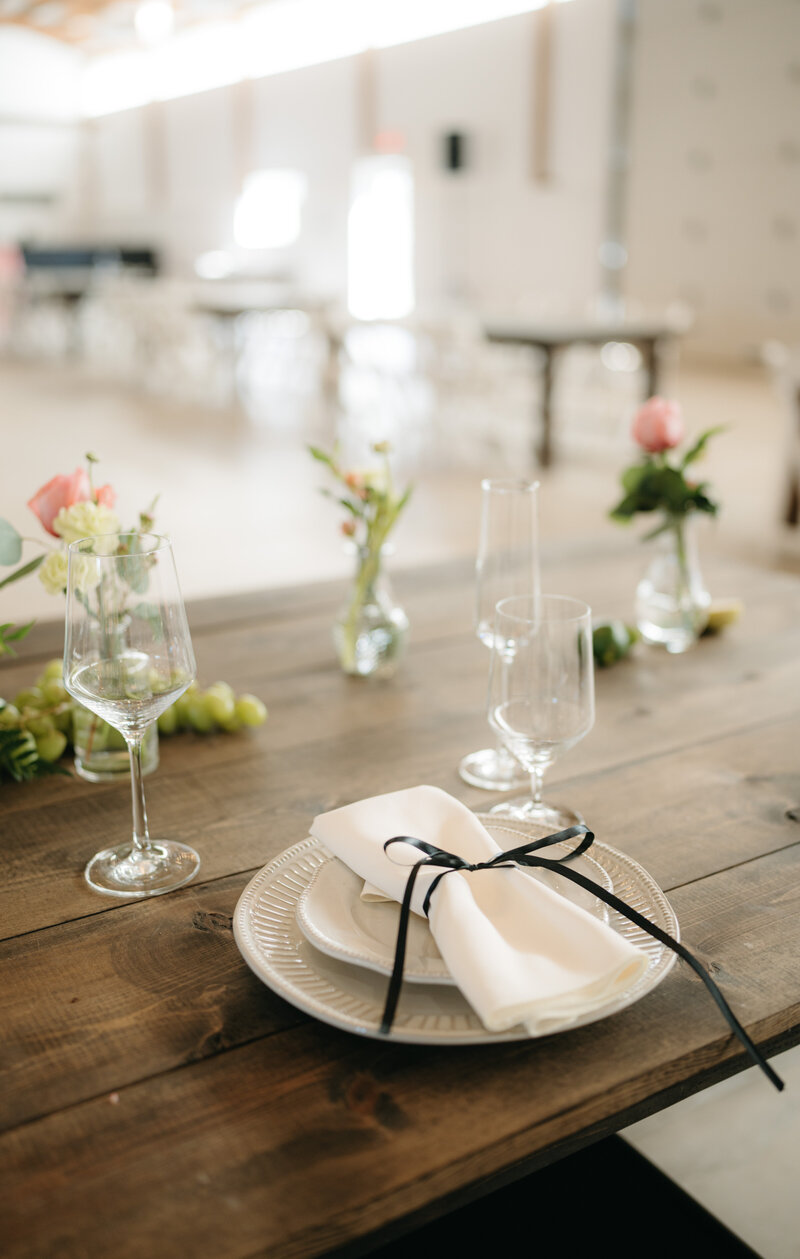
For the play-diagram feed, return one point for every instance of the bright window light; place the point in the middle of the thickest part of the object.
(154, 20)
(380, 239)
(270, 39)
(121, 81)
(288, 34)
(214, 264)
(206, 57)
(268, 213)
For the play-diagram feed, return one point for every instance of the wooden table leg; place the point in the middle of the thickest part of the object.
(652, 366)
(792, 512)
(544, 449)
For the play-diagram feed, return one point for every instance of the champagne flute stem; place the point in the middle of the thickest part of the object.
(141, 837)
(536, 786)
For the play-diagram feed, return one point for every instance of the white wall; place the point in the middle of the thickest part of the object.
(714, 205)
(488, 233)
(39, 134)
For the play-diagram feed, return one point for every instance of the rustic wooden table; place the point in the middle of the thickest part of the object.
(158, 1100)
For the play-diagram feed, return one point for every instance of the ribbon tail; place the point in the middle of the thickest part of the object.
(664, 938)
(396, 981)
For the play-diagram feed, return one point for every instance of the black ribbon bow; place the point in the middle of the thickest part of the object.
(523, 856)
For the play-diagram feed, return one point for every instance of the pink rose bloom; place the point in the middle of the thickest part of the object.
(105, 496)
(62, 491)
(658, 425)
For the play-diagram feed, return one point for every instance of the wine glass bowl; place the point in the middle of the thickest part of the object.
(507, 565)
(127, 657)
(541, 692)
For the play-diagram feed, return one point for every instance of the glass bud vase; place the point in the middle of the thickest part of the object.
(101, 753)
(371, 629)
(671, 599)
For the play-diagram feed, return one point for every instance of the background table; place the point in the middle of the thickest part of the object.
(157, 1099)
(549, 337)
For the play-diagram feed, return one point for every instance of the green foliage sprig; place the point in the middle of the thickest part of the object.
(655, 484)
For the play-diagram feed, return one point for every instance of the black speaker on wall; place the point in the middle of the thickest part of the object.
(455, 150)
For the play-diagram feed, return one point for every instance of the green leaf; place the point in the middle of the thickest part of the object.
(10, 543)
(30, 567)
(320, 456)
(16, 633)
(356, 511)
(632, 477)
(18, 755)
(700, 445)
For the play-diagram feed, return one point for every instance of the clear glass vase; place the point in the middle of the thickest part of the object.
(371, 629)
(101, 753)
(671, 599)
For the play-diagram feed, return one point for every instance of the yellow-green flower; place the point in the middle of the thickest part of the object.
(85, 520)
(53, 573)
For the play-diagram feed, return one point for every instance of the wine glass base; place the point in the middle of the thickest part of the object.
(552, 817)
(492, 770)
(132, 873)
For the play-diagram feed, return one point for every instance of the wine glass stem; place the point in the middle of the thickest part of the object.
(141, 838)
(536, 786)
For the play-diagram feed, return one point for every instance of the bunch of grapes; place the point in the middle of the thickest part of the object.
(36, 729)
(218, 708)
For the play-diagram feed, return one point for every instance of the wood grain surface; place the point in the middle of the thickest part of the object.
(157, 1099)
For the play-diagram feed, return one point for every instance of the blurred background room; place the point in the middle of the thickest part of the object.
(481, 230)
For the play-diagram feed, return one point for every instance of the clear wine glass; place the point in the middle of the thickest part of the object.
(127, 657)
(541, 692)
(507, 564)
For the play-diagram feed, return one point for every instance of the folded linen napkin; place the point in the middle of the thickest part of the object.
(519, 952)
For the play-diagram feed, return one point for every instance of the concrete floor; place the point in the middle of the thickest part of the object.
(240, 501)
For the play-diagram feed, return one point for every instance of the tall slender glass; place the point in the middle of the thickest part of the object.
(507, 565)
(127, 657)
(541, 692)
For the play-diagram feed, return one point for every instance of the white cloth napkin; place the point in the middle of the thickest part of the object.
(519, 952)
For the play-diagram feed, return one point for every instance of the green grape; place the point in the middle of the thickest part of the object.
(50, 746)
(250, 710)
(63, 719)
(53, 670)
(224, 688)
(32, 697)
(54, 693)
(232, 723)
(168, 721)
(9, 715)
(220, 703)
(41, 727)
(198, 714)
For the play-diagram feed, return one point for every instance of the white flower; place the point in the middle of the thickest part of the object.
(53, 573)
(85, 573)
(85, 520)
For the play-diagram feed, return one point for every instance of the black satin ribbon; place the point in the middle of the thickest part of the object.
(522, 856)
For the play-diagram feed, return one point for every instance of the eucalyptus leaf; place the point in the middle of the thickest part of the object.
(30, 567)
(10, 543)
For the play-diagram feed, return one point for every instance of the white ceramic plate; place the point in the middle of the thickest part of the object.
(351, 997)
(332, 915)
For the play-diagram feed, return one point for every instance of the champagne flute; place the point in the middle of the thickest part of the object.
(127, 657)
(541, 692)
(507, 564)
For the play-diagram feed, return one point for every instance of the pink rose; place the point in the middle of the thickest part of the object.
(105, 496)
(62, 491)
(658, 425)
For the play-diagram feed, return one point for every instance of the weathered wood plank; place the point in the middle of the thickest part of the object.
(298, 1142)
